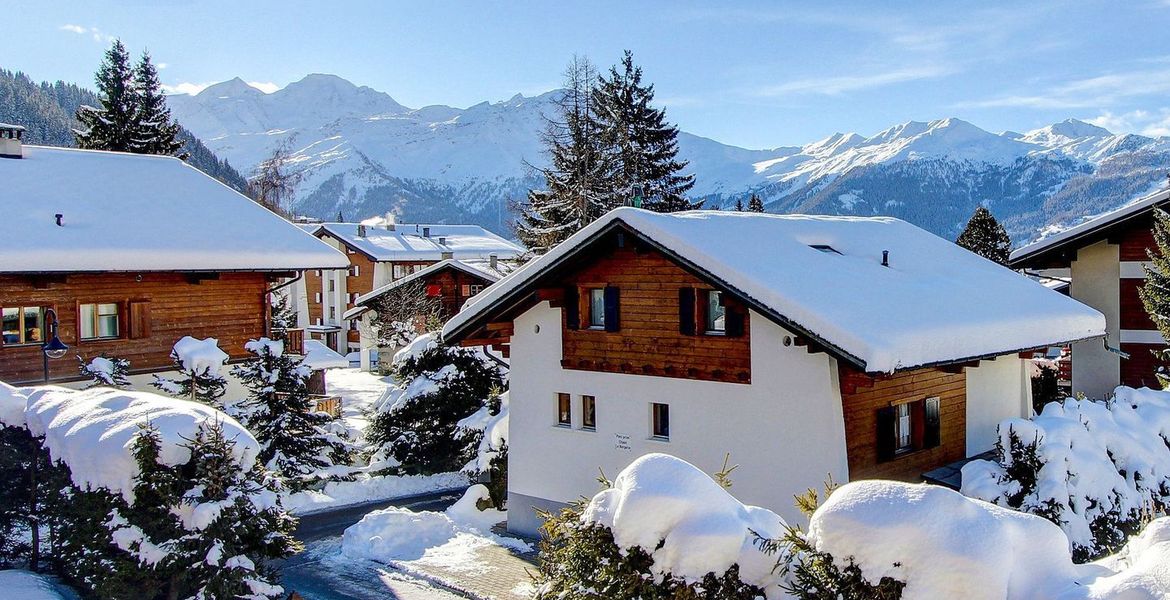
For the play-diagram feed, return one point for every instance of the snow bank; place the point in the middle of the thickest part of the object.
(12, 404)
(200, 356)
(93, 431)
(371, 489)
(1140, 570)
(495, 434)
(1098, 458)
(25, 585)
(686, 521)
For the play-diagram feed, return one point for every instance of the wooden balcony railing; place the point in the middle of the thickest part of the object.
(294, 340)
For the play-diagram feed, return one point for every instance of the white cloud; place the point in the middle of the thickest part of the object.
(78, 29)
(160, 66)
(264, 86)
(1102, 90)
(188, 87)
(94, 32)
(1150, 123)
(832, 86)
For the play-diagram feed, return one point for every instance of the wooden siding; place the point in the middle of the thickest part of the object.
(649, 341)
(1138, 370)
(451, 282)
(1136, 239)
(862, 397)
(231, 308)
(1133, 314)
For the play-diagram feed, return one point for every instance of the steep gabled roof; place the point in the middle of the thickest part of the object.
(407, 242)
(482, 270)
(1088, 232)
(130, 212)
(821, 276)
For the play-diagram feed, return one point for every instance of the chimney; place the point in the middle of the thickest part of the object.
(426, 232)
(446, 255)
(390, 221)
(10, 144)
(361, 230)
(59, 216)
(442, 241)
(885, 258)
(492, 259)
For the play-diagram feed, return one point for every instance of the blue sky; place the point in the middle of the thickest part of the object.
(752, 74)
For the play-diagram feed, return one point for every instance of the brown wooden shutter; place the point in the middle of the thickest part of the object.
(572, 308)
(686, 311)
(139, 320)
(885, 433)
(733, 317)
(612, 308)
(932, 418)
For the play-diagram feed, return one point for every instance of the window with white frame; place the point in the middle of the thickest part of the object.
(98, 321)
(597, 308)
(716, 313)
(660, 421)
(564, 410)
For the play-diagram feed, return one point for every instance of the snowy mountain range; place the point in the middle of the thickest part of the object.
(362, 153)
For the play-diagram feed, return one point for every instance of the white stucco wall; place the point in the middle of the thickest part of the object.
(1096, 281)
(785, 430)
(996, 390)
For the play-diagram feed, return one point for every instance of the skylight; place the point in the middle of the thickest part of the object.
(827, 249)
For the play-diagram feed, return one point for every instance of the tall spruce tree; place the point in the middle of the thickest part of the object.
(755, 204)
(576, 189)
(986, 237)
(642, 146)
(154, 131)
(113, 125)
(738, 205)
(1155, 292)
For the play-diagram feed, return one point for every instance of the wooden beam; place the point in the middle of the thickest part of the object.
(41, 282)
(504, 328)
(197, 278)
(554, 296)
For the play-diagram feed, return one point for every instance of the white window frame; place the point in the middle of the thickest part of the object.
(90, 313)
(715, 319)
(566, 399)
(596, 301)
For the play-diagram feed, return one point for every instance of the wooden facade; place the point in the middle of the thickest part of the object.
(452, 287)
(154, 311)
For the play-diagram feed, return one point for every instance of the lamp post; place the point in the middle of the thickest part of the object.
(53, 348)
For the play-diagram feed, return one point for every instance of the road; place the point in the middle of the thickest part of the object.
(322, 573)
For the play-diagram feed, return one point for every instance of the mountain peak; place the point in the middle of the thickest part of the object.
(232, 87)
(323, 80)
(1072, 129)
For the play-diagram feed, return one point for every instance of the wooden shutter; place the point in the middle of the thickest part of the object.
(732, 321)
(932, 417)
(885, 434)
(612, 308)
(139, 320)
(572, 308)
(686, 311)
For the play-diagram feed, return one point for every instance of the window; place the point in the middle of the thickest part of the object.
(474, 289)
(357, 270)
(399, 271)
(332, 285)
(715, 312)
(827, 249)
(22, 325)
(903, 428)
(597, 308)
(317, 298)
(661, 416)
(318, 272)
(588, 412)
(564, 410)
(99, 321)
(908, 426)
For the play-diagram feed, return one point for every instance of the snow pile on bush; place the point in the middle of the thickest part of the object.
(494, 432)
(944, 545)
(688, 524)
(1097, 468)
(93, 431)
(200, 356)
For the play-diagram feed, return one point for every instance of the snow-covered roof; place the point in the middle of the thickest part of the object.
(822, 276)
(1089, 227)
(481, 269)
(407, 242)
(318, 356)
(132, 212)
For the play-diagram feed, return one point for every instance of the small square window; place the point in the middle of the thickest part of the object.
(661, 416)
(715, 312)
(588, 412)
(475, 289)
(564, 410)
(597, 308)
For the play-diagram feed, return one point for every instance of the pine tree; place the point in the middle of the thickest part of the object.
(755, 204)
(106, 371)
(576, 191)
(986, 237)
(1155, 292)
(201, 385)
(642, 146)
(112, 126)
(154, 131)
(738, 205)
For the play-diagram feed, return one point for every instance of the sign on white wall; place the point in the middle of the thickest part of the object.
(622, 441)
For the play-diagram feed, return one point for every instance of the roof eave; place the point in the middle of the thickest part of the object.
(957, 361)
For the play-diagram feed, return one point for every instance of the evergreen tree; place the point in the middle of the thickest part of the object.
(642, 147)
(106, 371)
(113, 125)
(755, 204)
(204, 385)
(738, 205)
(986, 237)
(576, 190)
(1155, 292)
(154, 131)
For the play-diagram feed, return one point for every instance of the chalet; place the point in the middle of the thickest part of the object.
(381, 252)
(124, 254)
(1102, 259)
(804, 346)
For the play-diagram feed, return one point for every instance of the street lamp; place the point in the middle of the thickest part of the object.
(54, 348)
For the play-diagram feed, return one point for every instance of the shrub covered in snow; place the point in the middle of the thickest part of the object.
(1100, 470)
(106, 371)
(489, 425)
(663, 529)
(148, 497)
(199, 362)
(415, 424)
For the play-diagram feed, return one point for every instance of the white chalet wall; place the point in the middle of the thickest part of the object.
(785, 429)
(996, 390)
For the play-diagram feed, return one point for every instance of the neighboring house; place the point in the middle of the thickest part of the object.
(443, 287)
(381, 252)
(131, 253)
(1102, 258)
(804, 346)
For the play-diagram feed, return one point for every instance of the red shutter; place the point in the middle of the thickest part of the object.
(434, 290)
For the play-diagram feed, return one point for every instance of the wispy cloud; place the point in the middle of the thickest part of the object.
(832, 86)
(94, 32)
(192, 88)
(160, 66)
(264, 86)
(1102, 90)
(1151, 123)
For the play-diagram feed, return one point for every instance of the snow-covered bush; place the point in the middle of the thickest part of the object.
(662, 530)
(296, 442)
(199, 362)
(415, 423)
(490, 426)
(1100, 470)
(106, 371)
(157, 497)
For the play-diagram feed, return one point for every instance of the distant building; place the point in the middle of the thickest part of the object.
(804, 346)
(131, 253)
(1102, 258)
(381, 252)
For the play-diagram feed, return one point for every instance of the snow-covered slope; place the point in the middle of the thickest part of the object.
(364, 154)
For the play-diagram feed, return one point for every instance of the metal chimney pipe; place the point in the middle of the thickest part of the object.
(885, 258)
(59, 216)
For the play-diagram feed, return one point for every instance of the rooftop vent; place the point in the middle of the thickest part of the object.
(10, 144)
(442, 241)
(59, 216)
(448, 255)
(827, 249)
(492, 260)
(426, 232)
(361, 231)
(885, 258)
